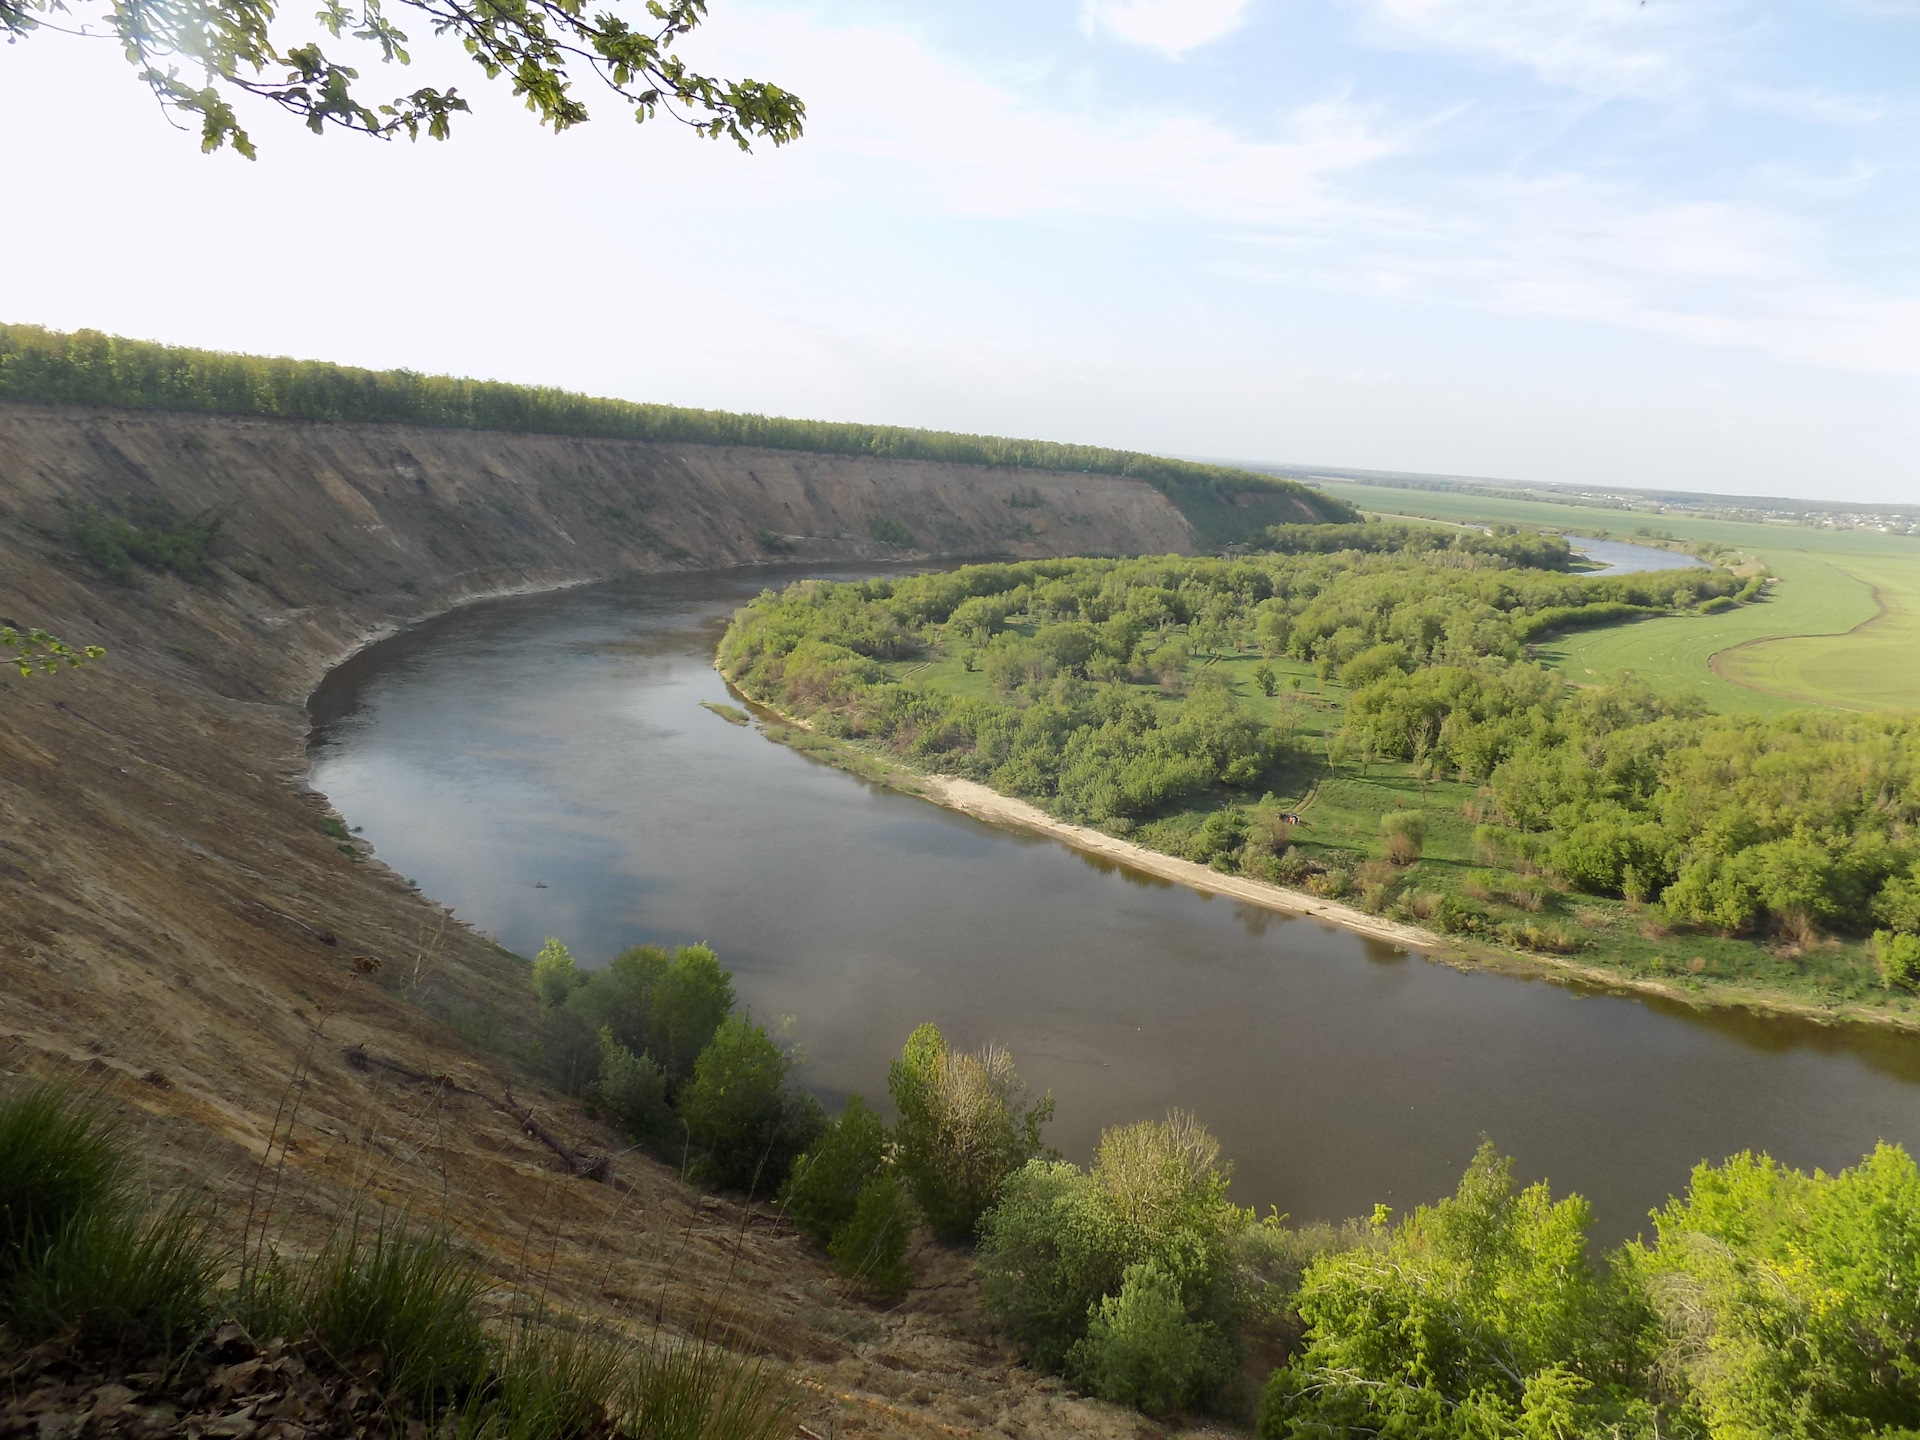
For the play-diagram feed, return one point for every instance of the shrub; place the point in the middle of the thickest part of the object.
(690, 1002)
(554, 975)
(891, 532)
(1467, 1315)
(1142, 1349)
(118, 1281)
(965, 1125)
(404, 1293)
(1061, 1239)
(1899, 958)
(61, 1158)
(745, 1124)
(825, 1186)
(160, 540)
(632, 1090)
(871, 1247)
(1048, 1251)
(1791, 1302)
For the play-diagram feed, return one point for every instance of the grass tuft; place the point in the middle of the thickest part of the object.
(61, 1158)
(120, 1282)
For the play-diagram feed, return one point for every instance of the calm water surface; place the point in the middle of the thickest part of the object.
(558, 741)
(1615, 557)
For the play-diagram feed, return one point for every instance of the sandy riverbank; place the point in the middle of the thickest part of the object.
(972, 798)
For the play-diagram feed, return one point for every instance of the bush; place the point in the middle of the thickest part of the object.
(689, 1003)
(891, 532)
(826, 1183)
(1048, 1251)
(1899, 958)
(406, 1294)
(1791, 1302)
(1060, 1240)
(871, 1247)
(1404, 834)
(745, 1124)
(1142, 1349)
(965, 1125)
(554, 975)
(161, 540)
(666, 1007)
(120, 1282)
(632, 1091)
(1467, 1315)
(61, 1159)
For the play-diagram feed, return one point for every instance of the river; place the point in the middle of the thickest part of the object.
(544, 766)
(1616, 557)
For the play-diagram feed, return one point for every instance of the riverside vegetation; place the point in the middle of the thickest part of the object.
(1359, 713)
(1768, 1302)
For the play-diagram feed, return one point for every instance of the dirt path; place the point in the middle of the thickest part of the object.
(971, 798)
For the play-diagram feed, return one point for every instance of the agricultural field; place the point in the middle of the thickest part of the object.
(1840, 627)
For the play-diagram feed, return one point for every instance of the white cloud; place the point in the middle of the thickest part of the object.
(1172, 27)
(1605, 48)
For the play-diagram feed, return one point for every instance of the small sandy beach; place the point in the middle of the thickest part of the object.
(974, 799)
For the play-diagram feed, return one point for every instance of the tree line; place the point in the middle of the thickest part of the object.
(87, 367)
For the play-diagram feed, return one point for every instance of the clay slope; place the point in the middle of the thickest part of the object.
(176, 922)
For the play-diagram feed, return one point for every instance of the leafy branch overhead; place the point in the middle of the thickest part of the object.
(200, 56)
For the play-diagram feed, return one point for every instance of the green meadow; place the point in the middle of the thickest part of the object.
(1839, 627)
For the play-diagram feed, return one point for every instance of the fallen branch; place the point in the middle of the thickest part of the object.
(598, 1168)
(593, 1167)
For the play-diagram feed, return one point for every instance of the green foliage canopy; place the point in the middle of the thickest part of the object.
(965, 1125)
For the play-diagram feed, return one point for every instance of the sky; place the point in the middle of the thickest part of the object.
(1671, 244)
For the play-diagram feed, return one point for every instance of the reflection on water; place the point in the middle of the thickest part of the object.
(558, 741)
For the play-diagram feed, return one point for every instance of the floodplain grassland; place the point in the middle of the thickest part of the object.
(1840, 626)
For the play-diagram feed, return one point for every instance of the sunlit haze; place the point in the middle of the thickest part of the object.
(1601, 241)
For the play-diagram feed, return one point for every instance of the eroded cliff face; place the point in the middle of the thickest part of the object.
(177, 923)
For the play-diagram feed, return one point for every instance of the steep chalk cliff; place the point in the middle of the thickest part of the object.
(176, 921)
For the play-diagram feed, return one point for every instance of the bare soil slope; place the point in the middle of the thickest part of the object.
(176, 922)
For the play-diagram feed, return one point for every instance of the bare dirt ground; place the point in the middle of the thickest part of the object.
(179, 927)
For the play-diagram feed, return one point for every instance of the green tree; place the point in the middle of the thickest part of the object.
(965, 1125)
(824, 1187)
(555, 977)
(1475, 1313)
(1898, 955)
(543, 48)
(745, 1123)
(1143, 1349)
(1791, 1302)
(1061, 1239)
(689, 1002)
(632, 1090)
(1267, 678)
(871, 1247)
